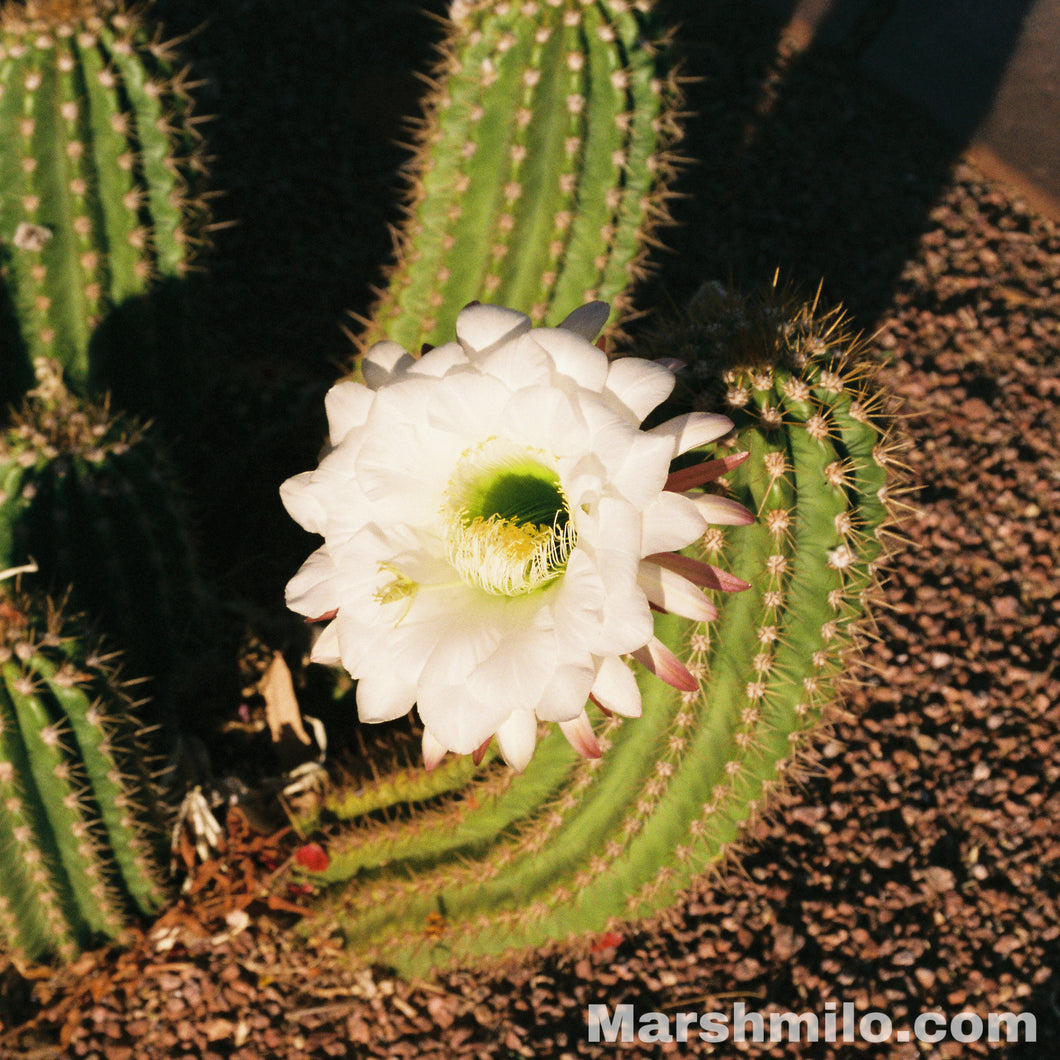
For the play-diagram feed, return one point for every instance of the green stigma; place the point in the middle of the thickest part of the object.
(508, 529)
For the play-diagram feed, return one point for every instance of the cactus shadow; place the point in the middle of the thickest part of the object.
(804, 163)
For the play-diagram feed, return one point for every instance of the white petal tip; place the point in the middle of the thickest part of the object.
(383, 362)
(433, 751)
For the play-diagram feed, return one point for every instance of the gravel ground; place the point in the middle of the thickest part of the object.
(916, 868)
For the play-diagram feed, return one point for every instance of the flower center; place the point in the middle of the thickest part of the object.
(508, 529)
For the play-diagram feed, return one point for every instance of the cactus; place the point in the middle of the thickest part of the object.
(92, 499)
(98, 162)
(571, 846)
(540, 169)
(80, 829)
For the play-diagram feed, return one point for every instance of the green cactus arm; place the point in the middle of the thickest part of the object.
(491, 807)
(30, 913)
(540, 188)
(58, 808)
(96, 204)
(68, 314)
(80, 827)
(120, 788)
(438, 221)
(646, 163)
(397, 787)
(535, 173)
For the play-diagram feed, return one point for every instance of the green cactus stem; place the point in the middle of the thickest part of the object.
(573, 846)
(93, 500)
(98, 168)
(541, 165)
(81, 835)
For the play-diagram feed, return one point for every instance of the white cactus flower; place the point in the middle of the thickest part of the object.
(497, 527)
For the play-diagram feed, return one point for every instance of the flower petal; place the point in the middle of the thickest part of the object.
(433, 750)
(671, 522)
(662, 662)
(302, 504)
(692, 429)
(721, 511)
(567, 691)
(616, 689)
(326, 646)
(639, 385)
(384, 696)
(384, 362)
(573, 356)
(517, 364)
(480, 328)
(456, 719)
(579, 733)
(516, 739)
(440, 361)
(313, 590)
(700, 474)
(670, 592)
(587, 320)
(347, 405)
(710, 577)
(544, 418)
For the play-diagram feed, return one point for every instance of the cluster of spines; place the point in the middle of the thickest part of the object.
(540, 169)
(99, 164)
(93, 501)
(575, 846)
(79, 827)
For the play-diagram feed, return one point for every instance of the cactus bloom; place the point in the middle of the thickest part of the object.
(497, 528)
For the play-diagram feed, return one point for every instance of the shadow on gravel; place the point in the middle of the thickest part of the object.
(804, 164)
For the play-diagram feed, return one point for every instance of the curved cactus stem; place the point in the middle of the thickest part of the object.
(573, 846)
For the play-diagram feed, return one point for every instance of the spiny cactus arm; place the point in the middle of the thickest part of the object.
(93, 499)
(493, 806)
(646, 160)
(119, 783)
(430, 274)
(397, 788)
(37, 205)
(56, 806)
(30, 914)
(98, 149)
(539, 170)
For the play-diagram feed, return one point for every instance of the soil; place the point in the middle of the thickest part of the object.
(916, 868)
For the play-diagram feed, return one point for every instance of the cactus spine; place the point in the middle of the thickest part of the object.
(79, 826)
(540, 169)
(97, 163)
(572, 846)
